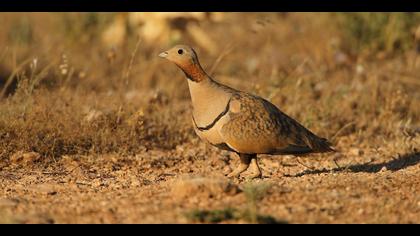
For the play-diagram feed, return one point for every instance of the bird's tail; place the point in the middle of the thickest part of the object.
(318, 144)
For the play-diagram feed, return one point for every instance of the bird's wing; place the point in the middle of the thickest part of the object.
(257, 126)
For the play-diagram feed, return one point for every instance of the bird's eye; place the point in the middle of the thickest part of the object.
(180, 51)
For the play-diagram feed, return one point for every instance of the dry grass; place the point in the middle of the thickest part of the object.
(131, 102)
(71, 126)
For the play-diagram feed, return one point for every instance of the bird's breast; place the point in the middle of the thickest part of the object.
(211, 133)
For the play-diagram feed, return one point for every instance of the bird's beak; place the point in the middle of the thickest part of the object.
(163, 54)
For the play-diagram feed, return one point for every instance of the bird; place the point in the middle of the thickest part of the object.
(240, 122)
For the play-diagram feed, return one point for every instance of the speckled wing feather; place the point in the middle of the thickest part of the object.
(257, 126)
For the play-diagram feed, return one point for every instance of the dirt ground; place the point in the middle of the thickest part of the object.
(164, 187)
(96, 128)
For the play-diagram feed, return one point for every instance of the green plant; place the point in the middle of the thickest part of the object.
(218, 216)
(211, 216)
(83, 27)
(21, 32)
(388, 32)
(254, 192)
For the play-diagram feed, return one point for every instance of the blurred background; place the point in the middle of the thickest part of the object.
(92, 82)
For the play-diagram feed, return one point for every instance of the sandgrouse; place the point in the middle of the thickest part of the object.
(238, 121)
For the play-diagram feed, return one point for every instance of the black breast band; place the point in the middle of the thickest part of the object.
(214, 121)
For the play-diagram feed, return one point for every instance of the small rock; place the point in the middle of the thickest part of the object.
(337, 155)
(180, 149)
(31, 157)
(96, 183)
(50, 189)
(24, 158)
(135, 182)
(71, 165)
(356, 151)
(203, 187)
(383, 169)
(7, 202)
(17, 157)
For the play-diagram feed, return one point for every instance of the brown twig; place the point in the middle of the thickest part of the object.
(130, 65)
(309, 167)
(12, 76)
(341, 130)
(336, 163)
(224, 53)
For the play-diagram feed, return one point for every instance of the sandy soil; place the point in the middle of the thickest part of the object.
(360, 186)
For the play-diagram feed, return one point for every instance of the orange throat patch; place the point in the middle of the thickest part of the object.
(194, 72)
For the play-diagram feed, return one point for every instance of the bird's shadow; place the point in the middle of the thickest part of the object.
(399, 163)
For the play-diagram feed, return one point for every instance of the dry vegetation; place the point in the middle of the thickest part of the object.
(94, 133)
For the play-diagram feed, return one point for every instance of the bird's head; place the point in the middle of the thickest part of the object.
(182, 55)
(185, 58)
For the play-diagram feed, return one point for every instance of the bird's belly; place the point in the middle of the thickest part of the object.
(212, 135)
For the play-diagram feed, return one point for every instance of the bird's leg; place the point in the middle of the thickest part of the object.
(256, 171)
(245, 161)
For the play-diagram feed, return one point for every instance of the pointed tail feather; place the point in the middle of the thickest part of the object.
(320, 145)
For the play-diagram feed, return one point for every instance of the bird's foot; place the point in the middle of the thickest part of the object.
(256, 171)
(255, 175)
(243, 166)
(238, 171)
(234, 174)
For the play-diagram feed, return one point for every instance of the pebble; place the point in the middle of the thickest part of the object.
(7, 202)
(383, 169)
(25, 158)
(49, 189)
(356, 151)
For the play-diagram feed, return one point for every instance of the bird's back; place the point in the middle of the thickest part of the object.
(257, 126)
